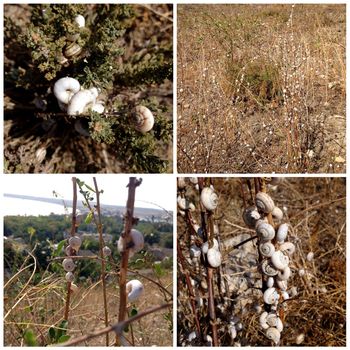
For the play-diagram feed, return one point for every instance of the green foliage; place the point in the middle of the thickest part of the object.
(58, 334)
(29, 338)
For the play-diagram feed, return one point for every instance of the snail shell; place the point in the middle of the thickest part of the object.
(73, 287)
(82, 101)
(137, 239)
(287, 248)
(285, 295)
(68, 250)
(181, 183)
(273, 334)
(264, 202)
(251, 216)
(214, 257)
(209, 198)
(69, 276)
(68, 264)
(265, 231)
(262, 320)
(277, 214)
(143, 118)
(310, 256)
(270, 282)
(194, 180)
(75, 242)
(232, 331)
(274, 321)
(271, 296)
(195, 252)
(268, 269)
(135, 289)
(72, 49)
(283, 285)
(284, 274)
(185, 204)
(282, 233)
(279, 260)
(205, 246)
(267, 249)
(106, 251)
(65, 88)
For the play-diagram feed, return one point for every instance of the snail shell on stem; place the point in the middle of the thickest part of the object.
(264, 202)
(68, 264)
(273, 334)
(265, 231)
(267, 249)
(143, 118)
(271, 295)
(287, 248)
(135, 289)
(251, 216)
(75, 242)
(282, 233)
(209, 198)
(214, 257)
(279, 260)
(277, 214)
(268, 269)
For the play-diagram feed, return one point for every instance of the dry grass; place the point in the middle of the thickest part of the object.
(43, 306)
(316, 211)
(261, 88)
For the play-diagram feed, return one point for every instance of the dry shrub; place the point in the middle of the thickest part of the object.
(261, 88)
(316, 211)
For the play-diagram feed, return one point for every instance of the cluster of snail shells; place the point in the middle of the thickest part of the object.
(74, 100)
(276, 253)
(72, 48)
(73, 247)
(135, 245)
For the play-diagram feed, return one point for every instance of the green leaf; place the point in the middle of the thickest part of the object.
(52, 333)
(89, 188)
(89, 217)
(59, 248)
(62, 329)
(30, 338)
(63, 338)
(133, 312)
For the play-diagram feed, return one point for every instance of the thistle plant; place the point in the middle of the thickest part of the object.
(119, 65)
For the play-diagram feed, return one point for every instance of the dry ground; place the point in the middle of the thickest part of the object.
(43, 306)
(261, 88)
(315, 209)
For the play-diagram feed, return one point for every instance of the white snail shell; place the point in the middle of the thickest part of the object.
(81, 101)
(98, 107)
(68, 264)
(75, 242)
(209, 198)
(185, 204)
(273, 334)
(287, 248)
(135, 289)
(277, 214)
(192, 336)
(106, 251)
(137, 239)
(268, 269)
(282, 285)
(262, 320)
(65, 88)
(232, 331)
(282, 233)
(205, 246)
(264, 202)
(265, 231)
(284, 274)
(80, 21)
(293, 292)
(274, 321)
(181, 183)
(194, 180)
(251, 216)
(310, 256)
(73, 287)
(266, 249)
(214, 257)
(285, 295)
(195, 252)
(68, 250)
(279, 260)
(271, 295)
(270, 282)
(69, 276)
(144, 119)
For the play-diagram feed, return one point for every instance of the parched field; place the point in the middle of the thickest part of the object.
(261, 88)
(315, 209)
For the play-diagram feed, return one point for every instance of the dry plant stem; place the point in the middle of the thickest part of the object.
(72, 233)
(117, 328)
(190, 289)
(129, 220)
(103, 264)
(211, 303)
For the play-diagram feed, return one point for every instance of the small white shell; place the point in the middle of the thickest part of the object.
(138, 240)
(282, 233)
(195, 252)
(75, 242)
(80, 21)
(106, 251)
(293, 292)
(82, 101)
(65, 88)
(310, 256)
(282, 285)
(279, 260)
(205, 246)
(268, 269)
(232, 331)
(285, 295)
(265, 231)
(68, 264)
(192, 336)
(144, 119)
(284, 274)
(185, 204)
(98, 107)
(274, 321)
(73, 287)
(271, 295)
(181, 183)
(69, 276)
(266, 249)
(273, 334)
(264, 202)
(209, 198)
(301, 272)
(251, 216)
(287, 248)
(135, 289)
(214, 257)
(270, 282)
(262, 320)
(277, 214)
(194, 180)
(68, 250)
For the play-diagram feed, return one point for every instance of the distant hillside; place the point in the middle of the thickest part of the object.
(106, 209)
